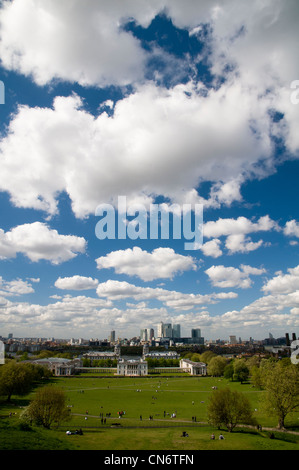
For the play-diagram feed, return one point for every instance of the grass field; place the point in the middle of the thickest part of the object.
(90, 399)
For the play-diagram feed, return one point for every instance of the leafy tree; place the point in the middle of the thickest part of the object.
(228, 372)
(24, 356)
(44, 354)
(86, 362)
(195, 357)
(241, 371)
(229, 408)
(253, 361)
(207, 356)
(17, 379)
(216, 366)
(48, 407)
(187, 355)
(257, 377)
(281, 383)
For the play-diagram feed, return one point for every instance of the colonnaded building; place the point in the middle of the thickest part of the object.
(131, 367)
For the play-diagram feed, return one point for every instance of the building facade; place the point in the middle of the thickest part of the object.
(132, 368)
(58, 366)
(194, 368)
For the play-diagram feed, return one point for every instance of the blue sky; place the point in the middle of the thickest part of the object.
(161, 102)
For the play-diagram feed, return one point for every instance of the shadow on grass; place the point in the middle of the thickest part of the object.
(275, 435)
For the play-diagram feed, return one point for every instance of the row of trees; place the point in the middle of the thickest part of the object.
(279, 381)
(99, 362)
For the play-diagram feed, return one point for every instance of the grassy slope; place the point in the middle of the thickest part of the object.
(188, 397)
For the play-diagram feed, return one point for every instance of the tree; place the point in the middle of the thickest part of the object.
(207, 356)
(253, 361)
(281, 383)
(241, 371)
(228, 372)
(216, 366)
(48, 407)
(195, 357)
(229, 408)
(257, 377)
(17, 379)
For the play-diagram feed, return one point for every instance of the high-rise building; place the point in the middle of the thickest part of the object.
(150, 333)
(160, 330)
(176, 331)
(167, 330)
(146, 334)
(195, 333)
(112, 336)
(233, 340)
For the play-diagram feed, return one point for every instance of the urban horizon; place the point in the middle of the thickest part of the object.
(138, 337)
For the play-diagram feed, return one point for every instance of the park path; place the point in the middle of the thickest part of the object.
(183, 423)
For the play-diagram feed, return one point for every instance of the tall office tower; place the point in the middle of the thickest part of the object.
(176, 331)
(160, 330)
(112, 336)
(150, 333)
(164, 330)
(143, 334)
(233, 340)
(167, 330)
(195, 333)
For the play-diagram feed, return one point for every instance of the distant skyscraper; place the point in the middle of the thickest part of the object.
(195, 333)
(160, 330)
(112, 336)
(167, 330)
(176, 331)
(233, 340)
(164, 330)
(150, 333)
(146, 334)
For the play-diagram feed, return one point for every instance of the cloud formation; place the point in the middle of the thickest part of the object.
(38, 242)
(162, 263)
(222, 276)
(15, 287)
(76, 283)
(283, 283)
(118, 290)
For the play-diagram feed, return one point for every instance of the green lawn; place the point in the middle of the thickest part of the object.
(158, 397)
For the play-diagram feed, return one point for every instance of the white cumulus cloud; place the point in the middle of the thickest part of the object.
(37, 242)
(76, 283)
(160, 264)
(222, 276)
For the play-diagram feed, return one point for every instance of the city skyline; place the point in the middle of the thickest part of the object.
(155, 105)
(147, 335)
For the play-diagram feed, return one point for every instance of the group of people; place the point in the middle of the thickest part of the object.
(220, 436)
(78, 431)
